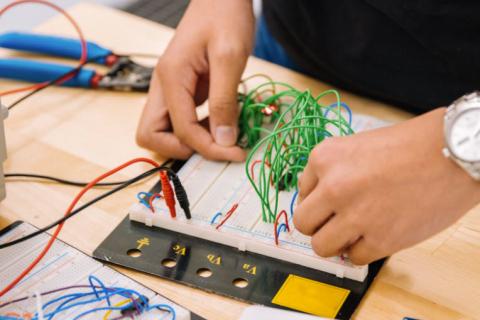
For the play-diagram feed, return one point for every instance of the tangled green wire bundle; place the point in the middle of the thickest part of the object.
(281, 128)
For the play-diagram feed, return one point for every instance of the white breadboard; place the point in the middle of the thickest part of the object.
(63, 266)
(214, 187)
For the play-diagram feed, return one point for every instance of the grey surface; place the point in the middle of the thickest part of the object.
(26, 16)
(167, 12)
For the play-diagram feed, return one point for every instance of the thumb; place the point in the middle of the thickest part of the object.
(225, 72)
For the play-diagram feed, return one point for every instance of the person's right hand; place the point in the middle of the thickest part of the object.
(205, 59)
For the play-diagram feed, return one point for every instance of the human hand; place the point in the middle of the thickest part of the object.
(206, 58)
(374, 193)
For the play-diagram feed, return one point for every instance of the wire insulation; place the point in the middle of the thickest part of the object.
(83, 45)
(67, 213)
(281, 125)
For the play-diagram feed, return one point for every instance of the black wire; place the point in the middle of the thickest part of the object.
(66, 181)
(84, 206)
(62, 181)
(138, 55)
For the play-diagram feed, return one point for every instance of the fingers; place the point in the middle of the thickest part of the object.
(226, 67)
(312, 213)
(154, 129)
(179, 85)
(334, 237)
(362, 252)
(307, 181)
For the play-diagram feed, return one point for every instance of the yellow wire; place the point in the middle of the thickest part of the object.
(121, 303)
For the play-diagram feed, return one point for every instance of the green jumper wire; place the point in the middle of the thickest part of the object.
(281, 128)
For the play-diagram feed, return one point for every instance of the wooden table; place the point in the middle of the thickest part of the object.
(78, 134)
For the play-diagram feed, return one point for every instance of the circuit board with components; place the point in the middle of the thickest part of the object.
(237, 257)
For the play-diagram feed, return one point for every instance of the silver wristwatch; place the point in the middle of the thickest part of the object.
(462, 133)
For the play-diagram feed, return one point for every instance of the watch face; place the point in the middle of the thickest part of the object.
(465, 136)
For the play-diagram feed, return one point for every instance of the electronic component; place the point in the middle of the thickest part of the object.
(214, 188)
(67, 271)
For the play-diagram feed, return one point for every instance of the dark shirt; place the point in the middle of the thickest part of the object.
(416, 54)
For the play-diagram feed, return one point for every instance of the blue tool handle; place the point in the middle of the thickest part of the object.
(52, 45)
(34, 71)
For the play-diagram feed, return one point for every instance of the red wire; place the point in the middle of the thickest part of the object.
(69, 209)
(252, 167)
(150, 201)
(83, 43)
(228, 215)
(275, 233)
(168, 194)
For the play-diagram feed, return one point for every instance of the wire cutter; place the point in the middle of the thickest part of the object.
(123, 74)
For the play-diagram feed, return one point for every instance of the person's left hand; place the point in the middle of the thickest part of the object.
(374, 193)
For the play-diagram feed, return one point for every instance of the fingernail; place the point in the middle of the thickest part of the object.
(225, 136)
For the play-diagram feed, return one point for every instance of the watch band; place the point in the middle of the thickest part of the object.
(473, 169)
(463, 103)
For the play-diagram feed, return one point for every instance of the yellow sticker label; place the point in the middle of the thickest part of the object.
(311, 296)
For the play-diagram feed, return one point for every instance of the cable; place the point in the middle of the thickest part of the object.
(168, 194)
(292, 203)
(164, 307)
(150, 200)
(69, 182)
(181, 194)
(281, 125)
(275, 229)
(138, 55)
(49, 292)
(67, 213)
(121, 303)
(83, 207)
(83, 43)
(227, 215)
(62, 181)
(76, 304)
(214, 218)
(51, 82)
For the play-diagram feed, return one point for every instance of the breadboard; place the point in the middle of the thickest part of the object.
(62, 266)
(214, 187)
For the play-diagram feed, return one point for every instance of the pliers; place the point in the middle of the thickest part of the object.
(123, 75)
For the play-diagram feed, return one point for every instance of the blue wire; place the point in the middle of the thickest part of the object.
(142, 196)
(163, 307)
(60, 298)
(279, 227)
(215, 217)
(118, 291)
(344, 106)
(52, 314)
(62, 308)
(83, 314)
(99, 293)
(293, 202)
(91, 278)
